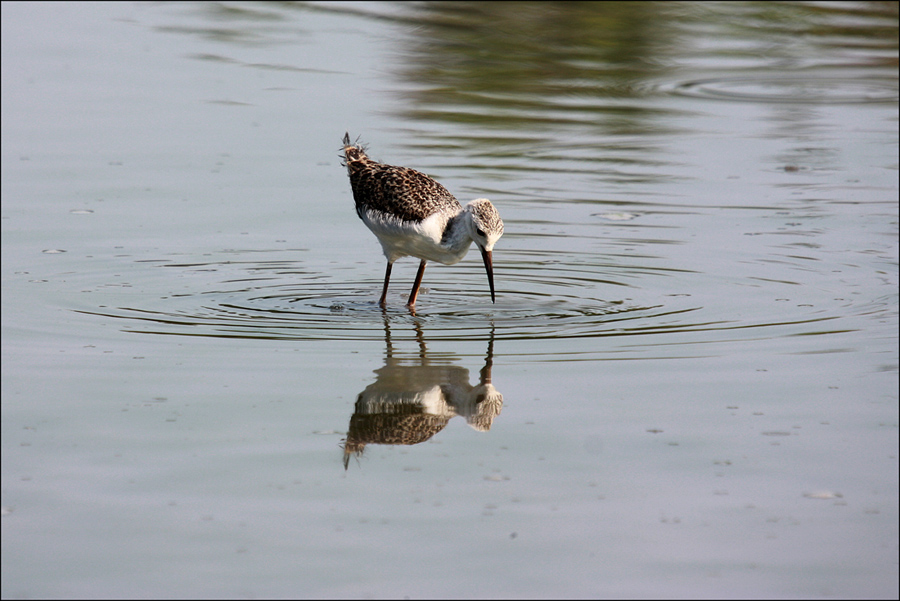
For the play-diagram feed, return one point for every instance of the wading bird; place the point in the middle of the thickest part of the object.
(413, 215)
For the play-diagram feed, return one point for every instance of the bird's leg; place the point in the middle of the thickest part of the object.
(387, 278)
(415, 289)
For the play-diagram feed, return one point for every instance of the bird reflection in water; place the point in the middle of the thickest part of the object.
(414, 398)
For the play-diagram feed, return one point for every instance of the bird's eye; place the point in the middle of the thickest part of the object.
(480, 232)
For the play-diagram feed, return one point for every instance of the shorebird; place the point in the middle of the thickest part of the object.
(414, 216)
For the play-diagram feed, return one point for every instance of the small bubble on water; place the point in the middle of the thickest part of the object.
(616, 216)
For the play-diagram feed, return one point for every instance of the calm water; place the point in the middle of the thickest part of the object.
(687, 386)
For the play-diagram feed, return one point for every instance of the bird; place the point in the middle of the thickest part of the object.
(413, 215)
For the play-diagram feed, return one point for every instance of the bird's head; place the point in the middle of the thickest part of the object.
(485, 228)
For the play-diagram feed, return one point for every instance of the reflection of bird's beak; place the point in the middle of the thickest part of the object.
(489, 267)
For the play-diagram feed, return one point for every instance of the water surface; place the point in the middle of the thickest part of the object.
(686, 388)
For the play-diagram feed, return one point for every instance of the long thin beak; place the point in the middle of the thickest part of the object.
(489, 267)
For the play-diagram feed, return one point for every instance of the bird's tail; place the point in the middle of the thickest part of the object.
(353, 152)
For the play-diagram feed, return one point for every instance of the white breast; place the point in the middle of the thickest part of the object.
(420, 239)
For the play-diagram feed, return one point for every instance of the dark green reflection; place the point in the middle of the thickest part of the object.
(506, 65)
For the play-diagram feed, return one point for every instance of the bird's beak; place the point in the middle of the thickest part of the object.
(489, 267)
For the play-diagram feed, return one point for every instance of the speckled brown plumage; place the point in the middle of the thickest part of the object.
(407, 426)
(404, 193)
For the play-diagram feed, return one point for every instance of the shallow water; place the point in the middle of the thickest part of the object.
(686, 388)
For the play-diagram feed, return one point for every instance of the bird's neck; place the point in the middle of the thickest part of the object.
(456, 236)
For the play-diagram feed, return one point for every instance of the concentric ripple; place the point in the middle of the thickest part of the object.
(800, 89)
(276, 300)
(281, 301)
